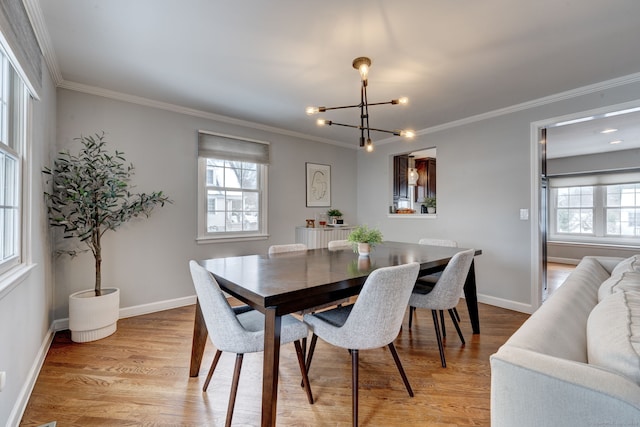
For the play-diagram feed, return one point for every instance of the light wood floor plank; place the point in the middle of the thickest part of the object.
(140, 377)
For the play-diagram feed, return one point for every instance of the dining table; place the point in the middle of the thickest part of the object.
(290, 282)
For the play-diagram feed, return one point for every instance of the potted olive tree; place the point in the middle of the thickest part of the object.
(90, 195)
(364, 239)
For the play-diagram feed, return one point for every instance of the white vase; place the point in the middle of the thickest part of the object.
(364, 249)
(93, 317)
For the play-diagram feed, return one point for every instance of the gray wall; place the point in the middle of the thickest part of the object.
(147, 259)
(25, 311)
(484, 178)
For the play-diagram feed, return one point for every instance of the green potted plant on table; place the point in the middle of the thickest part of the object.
(90, 195)
(364, 239)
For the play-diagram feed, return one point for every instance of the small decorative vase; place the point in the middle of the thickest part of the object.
(364, 249)
(431, 210)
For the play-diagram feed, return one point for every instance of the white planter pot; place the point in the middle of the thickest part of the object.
(92, 318)
(364, 249)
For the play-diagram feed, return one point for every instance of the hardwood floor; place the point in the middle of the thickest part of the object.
(556, 275)
(140, 377)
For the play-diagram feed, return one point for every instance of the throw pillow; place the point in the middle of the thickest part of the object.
(629, 280)
(630, 264)
(613, 334)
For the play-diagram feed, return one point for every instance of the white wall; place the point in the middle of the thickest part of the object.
(147, 259)
(25, 311)
(484, 178)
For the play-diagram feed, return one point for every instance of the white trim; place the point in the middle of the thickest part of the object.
(34, 12)
(14, 277)
(569, 261)
(412, 216)
(27, 388)
(137, 310)
(504, 303)
(536, 244)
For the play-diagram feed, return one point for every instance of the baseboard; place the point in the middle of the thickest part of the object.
(25, 393)
(570, 261)
(137, 310)
(504, 303)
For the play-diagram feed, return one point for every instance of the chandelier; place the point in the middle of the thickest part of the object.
(362, 64)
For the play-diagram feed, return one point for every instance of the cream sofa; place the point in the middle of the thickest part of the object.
(550, 372)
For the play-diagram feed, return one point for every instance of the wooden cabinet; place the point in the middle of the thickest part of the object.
(426, 186)
(400, 175)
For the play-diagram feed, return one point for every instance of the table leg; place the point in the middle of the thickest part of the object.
(471, 296)
(199, 341)
(272, 327)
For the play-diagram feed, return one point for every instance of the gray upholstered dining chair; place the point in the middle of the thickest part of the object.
(373, 321)
(339, 244)
(289, 247)
(425, 284)
(445, 295)
(240, 331)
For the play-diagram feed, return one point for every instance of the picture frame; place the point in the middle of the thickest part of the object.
(318, 185)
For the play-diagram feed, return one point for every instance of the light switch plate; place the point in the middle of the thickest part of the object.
(524, 214)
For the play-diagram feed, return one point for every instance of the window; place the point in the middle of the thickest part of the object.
(574, 210)
(13, 97)
(605, 212)
(232, 191)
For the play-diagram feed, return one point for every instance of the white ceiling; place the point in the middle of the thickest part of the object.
(265, 61)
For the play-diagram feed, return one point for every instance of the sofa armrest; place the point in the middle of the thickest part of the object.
(535, 389)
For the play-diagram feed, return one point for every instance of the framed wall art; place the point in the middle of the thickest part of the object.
(318, 185)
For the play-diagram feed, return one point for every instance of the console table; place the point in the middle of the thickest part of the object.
(319, 237)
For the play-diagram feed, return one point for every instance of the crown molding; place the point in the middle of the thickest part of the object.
(44, 40)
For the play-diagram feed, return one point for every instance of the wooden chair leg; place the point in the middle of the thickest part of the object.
(303, 370)
(455, 311)
(354, 386)
(412, 311)
(213, 368)
(444, 331)
(434, 313)
(455, 323)
(234, 389)
(312, 347)
(394, 353)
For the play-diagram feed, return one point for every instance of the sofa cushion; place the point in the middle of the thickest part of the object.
(629, 280)
(629, 264)
(613, 334)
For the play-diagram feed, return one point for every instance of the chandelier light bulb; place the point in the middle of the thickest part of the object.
(403, 101)
(312, 110)
(407, 133)
(322, 122)
(369, 146)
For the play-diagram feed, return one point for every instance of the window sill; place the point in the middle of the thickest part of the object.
(13, 278)
(228, 239)
(413, 216)
(592, 244)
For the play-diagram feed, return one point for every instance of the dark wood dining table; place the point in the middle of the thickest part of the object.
(284, 283)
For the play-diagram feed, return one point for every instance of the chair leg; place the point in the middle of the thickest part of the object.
(412, 311)
(312, 347)
(234, 389)
(213, 368)
(444, 331)
(455, 311)
(303, 370)
(354, 386)
(394, 353)
(455, 323)
(434, 313)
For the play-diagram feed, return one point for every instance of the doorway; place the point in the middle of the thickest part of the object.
(573, 146)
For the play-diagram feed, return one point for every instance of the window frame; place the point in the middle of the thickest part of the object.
(16, 108)
(205, 236)
(599, 235)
